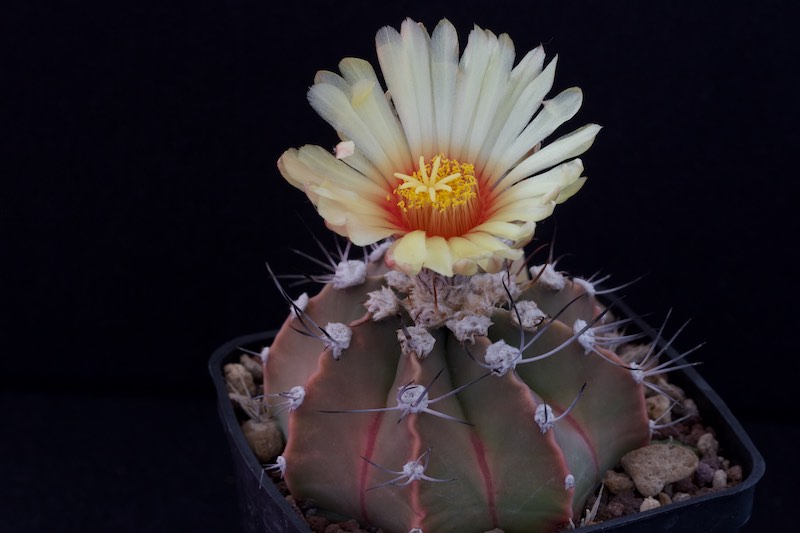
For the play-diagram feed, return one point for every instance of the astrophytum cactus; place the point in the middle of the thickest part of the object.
(438, 383)
(453, 404)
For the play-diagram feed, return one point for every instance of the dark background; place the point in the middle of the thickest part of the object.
(141, 200)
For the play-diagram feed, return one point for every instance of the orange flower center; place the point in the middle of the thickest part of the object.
(440, 198)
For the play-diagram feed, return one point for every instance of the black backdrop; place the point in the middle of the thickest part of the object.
(141, 201)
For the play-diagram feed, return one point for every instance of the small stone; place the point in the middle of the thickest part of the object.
(653, 466)
(264, 438)
(648, 504)
(707, 444)
(694, 435)
(712, 461)
(239, 380)
(347, 526)
(734, 474)
(252, 366)
(663, 498)
(686, 484)
(658, 408)
(704, 474)
(687, 407)
(720, 480)
(680, 497)
(614, 510)
(318, 524)
(630, 503)
(668, 389)
(616, 482)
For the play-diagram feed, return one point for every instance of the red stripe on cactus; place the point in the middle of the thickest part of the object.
(483, 467)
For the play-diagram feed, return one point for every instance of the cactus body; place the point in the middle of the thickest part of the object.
(462, 450)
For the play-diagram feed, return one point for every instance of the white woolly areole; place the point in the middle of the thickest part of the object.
(414, 470)
(530, 316)
(415, 530)
(338, 338)
(569, 482)
(296, 396)
(544, 417)
(467, 327)
(412, 398)
(280, 462)
(419, 341)
(382, 303)
(501, 357)
(550, 279)
(587, 338)
(345, 149)
(587, 286)
(280, 465)
(349, 274)
(492, 287)
(379, 249)
(264, 355)
(300, 304)
(399, 281)
(477, 304)
(637, 372)
(428, 314)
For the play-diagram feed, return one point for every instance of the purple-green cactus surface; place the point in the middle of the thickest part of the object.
(453, 404)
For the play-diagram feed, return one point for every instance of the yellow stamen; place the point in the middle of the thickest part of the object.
(440, 176)
(440, 198)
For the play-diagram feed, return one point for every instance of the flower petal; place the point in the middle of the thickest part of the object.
(540, 186)
(472, 68)
(465, 255)
(335, 107)
(527, 87)
(351, 217)
(527, 70)
(444, 69)
(358, 162)
(566, 147)
(437, 256)
(363, 231)
(369, 102)
(528, 210)
(407, 253)
(554, 113)
(350, 200)
(570, 190)
(405, 63)
(492, 244)
(313, 165)
(519, 234)
(492, 91)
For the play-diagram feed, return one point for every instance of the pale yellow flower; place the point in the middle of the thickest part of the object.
(449, 161)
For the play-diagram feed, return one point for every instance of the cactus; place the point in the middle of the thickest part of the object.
(440, 383)
(502, 407)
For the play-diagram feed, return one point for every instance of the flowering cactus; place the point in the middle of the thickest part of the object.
(438, 383)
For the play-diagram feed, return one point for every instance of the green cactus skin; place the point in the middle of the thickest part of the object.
(497, 470)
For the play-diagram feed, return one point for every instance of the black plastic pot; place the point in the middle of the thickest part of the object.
(264, 509)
